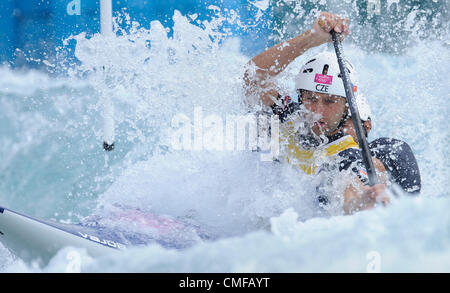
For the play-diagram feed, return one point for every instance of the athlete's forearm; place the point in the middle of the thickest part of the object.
(275, 59)
(261, 69)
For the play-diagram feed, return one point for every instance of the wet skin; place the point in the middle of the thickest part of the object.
(329, 110)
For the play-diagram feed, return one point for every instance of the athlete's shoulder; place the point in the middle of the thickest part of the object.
(383, 143)
(399, 160)
(392, 151)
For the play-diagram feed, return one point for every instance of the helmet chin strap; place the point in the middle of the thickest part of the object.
(344, 119)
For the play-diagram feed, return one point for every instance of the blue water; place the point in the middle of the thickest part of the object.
(53, 166)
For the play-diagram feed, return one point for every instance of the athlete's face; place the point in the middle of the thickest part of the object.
(329, 110)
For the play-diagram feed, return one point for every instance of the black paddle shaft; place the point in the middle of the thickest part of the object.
(367, 158)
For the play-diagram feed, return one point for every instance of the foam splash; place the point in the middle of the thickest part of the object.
(380, 240)
(260, 211)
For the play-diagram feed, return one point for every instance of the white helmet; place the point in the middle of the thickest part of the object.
(322, 74)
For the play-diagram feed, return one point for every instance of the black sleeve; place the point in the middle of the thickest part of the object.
(287, 108)
(349, 159)
(398, 159)
(352, 159)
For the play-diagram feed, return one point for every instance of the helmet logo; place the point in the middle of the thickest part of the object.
(324, 79)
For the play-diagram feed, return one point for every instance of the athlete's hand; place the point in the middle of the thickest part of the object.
(325, 23)
(376, 193)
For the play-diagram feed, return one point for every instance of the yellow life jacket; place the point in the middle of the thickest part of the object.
(310, 160)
